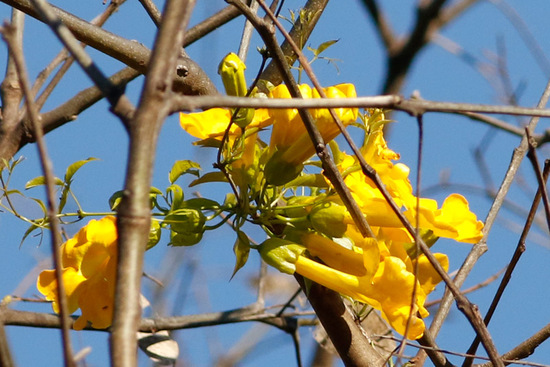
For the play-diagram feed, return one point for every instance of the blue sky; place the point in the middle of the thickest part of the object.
(449, 142)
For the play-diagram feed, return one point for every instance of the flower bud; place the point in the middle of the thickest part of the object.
(328, 218)
(281, 254)
(187, 226)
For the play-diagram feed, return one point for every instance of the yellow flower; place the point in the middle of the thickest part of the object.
(371, 274)
(89, 270)
(289, 133)
(290, 144)
(453, 220)
(212, 123)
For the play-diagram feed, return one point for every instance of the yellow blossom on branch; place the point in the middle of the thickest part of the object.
(289, 133)
(452, 220)
(388, 286)
(89, 270)
(290, 143)
(212, 123)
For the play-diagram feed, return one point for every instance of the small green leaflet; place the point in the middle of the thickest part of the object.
(182, 167)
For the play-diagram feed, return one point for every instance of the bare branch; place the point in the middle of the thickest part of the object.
(244, 314)
(479, 249)
(134, 215)
(152, 10)
(47, 168)
(382, 26)
(10, 88)
(299, 33)
(411, 106)
(131, 53)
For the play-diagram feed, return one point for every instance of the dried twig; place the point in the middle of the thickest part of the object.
(480, 248)
(520, 248)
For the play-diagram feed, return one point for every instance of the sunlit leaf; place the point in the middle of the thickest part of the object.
(73, 168)
(114, 200)
(41, 180)
(182, 167)
(209, 143)
(30, 230)
(184, 239)
(41, 204)
(241, 248)
(155, 191)
(310, 180)
(216, 176)
(154, 234)
(201, 204)
(323, 46)
(177, 195)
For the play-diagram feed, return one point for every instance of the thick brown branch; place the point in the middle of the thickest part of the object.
(132, 53)
(134, 214)
(345, 331)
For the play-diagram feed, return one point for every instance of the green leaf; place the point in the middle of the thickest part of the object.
(185, 239)
(323, 46)
(154, 234)
(13, 191)
(63, 198)
(216, 176)
(115, 199)
(155, 191)
(41, 180)
(310, 180)
(177, 196)
(241, 250)
(182, 167)
(209, 143)
(73, 168)
(186, 221)
(201, 204)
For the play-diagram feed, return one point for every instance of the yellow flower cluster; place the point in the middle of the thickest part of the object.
(385, 272)
(89, 270)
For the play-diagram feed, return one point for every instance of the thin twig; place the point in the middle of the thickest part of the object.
(382, 25)
(479, 249)
(64, 57)
(299, 33)
(243, 314)
(525, 349)
(152, 10)
(119, 103)
(473, 288)
(520, 249)
(132, 53)
(247, 33)
(47, 169)
(11, 93)
(411, 106)
(469, 310)
(328, 164)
